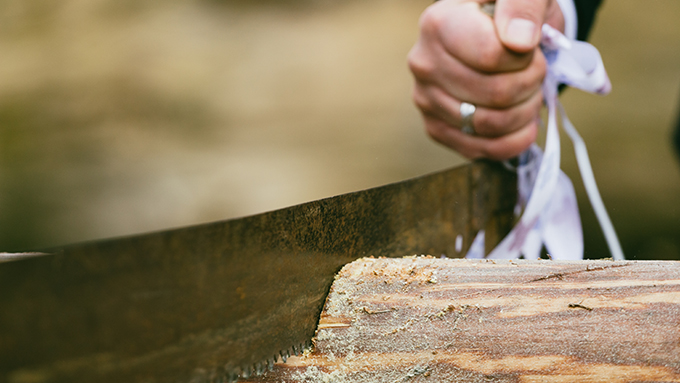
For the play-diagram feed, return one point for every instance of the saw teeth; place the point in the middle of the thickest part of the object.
(232, 377)
(270, 364)
(284, 357)
(247, 372)
(259, 369)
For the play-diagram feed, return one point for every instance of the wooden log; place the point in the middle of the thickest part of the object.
(444, 320)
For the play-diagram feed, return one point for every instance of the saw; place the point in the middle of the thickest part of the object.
(213, 302)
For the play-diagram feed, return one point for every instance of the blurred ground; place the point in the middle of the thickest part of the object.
(119, 117)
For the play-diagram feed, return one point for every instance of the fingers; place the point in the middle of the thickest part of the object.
(465, 55)
(498, 90)
(499, 148)
(469, 35)
(519, 23)
(494, 90)
(435, 103)
(460, 50)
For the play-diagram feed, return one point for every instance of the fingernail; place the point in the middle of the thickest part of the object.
(520, 32)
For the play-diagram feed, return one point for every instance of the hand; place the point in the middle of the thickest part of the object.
(463, 55)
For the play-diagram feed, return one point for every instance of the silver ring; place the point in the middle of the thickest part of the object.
(467, 112)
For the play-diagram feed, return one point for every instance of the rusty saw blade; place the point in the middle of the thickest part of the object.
(210, 302)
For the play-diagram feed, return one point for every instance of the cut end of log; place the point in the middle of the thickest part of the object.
(421, 319)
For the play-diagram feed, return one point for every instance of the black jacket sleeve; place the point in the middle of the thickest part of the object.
(585, 12)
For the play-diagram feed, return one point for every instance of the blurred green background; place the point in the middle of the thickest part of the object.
(120, 117)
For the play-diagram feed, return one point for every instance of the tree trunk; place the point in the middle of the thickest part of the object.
(444, 320)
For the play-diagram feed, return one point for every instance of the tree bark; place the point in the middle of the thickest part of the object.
(444, 320)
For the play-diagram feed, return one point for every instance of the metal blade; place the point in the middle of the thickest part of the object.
(204, 303)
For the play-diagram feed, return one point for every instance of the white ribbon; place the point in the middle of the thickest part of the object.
(550, 213)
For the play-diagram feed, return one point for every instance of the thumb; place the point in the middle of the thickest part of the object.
(519, 23)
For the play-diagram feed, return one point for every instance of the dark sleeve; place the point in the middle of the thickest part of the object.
(585, 12)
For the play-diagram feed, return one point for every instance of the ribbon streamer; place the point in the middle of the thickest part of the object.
(550, 213)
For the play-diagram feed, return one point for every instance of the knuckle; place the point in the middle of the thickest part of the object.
(431, 20)
(500, 93)
(493, 123)
(420, 64)
(436, 133)
(420, 100)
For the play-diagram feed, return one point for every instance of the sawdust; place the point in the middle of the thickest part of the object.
(351, 356)
(315, 375)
